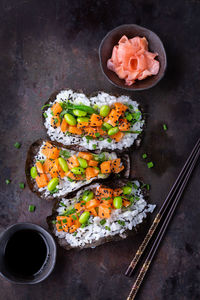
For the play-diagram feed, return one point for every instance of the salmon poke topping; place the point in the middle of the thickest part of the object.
(62, 164)
(100, 123)
(96, 202)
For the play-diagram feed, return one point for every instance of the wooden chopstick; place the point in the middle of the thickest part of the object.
(161, 212)
(163, 228)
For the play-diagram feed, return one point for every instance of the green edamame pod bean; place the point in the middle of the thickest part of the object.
(107, 126)
(79, 113)
(84, 217)
(82, 119)
(113, 131)
(129, 117)
(33, 172)
(53, 183)
(88, 195)
(77, 170)
(70, 119)
(117, 202)
(104, 110)
(83, 162)
(127, 190)
(63, 164)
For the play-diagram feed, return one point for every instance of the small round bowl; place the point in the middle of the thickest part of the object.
(48, 264)
(132, 30)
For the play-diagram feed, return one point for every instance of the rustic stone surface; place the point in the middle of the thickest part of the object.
(47, 45)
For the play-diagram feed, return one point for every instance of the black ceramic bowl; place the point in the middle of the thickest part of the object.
(47, 264)
(132, 30)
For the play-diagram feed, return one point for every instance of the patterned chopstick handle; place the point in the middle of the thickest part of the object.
(139, 280)
(143, 245)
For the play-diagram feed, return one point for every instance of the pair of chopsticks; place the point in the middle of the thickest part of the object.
(169, 204)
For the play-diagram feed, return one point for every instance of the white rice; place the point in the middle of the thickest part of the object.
(131, 217)
(65, 186)
(102, 98)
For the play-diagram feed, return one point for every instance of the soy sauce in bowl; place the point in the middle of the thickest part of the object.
(25, 253)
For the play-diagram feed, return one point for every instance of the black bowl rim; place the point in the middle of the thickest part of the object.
(139, 27)
(28, 225)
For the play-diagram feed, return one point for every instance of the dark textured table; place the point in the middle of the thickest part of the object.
(47, 45)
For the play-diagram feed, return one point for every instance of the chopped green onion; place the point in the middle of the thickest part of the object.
(107, 228)
(55, 120)
(109, 140)
(150, 164)
(17, 145)
(53, 222)
(135, 186)
(54, 191)
(95, 107)
(46, 105)
(108, 198)
(103, 221)
(94, 146)
(61, 203)
(65, 153)
(8, 181)
(131, 106)
(148, 187)
(101, 139)
(83, 225)
(41, 161)
(97, 134)
(45, 115)
(69, 212)
(75, 233)
(64, 221)
(31, 208)
(52, 113)
(144, 155)
(121, 222)
(21, 185)
(74, 217)
(165, 127)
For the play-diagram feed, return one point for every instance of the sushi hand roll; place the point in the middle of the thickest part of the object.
(99, 122)
(98, 214)
(54, 170)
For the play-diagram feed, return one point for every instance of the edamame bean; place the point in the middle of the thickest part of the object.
(82, 119)
(84, 217)
(70, 119)
(79, 113)
(77, 170)
(127, 190)
(113, 131)
(107, 125)
(52, 184)
(88, 195)
(63, 164)
(104, 110)
(33, 172)
(129, 117)
(82, 162)
(117, 202)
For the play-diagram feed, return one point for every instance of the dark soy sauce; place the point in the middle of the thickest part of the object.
(25, 253)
